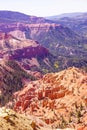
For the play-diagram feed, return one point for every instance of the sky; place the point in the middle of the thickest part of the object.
(44, 7)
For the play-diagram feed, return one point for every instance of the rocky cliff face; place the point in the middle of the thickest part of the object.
(69, 47)
(58, 98)
(10, 42)
(29, 53)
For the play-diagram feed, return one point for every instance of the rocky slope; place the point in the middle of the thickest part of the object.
(12, 79)
(75, 21)
(12, 17)
(10, 120)
(59, 99)
(62, 37)
(69, 48)
(53, 36)
(29, 53)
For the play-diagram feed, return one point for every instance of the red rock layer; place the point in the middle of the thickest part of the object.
(58, 98)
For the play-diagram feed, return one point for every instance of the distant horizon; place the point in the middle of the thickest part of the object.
(43, 16)
(44, 8)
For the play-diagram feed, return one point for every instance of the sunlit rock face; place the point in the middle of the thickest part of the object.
(54, 97)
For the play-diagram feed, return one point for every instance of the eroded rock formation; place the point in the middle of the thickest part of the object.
(60, 99)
